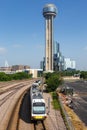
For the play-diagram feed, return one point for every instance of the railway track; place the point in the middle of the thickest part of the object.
(11, 93)
(11, 85)
(39, 125)
(7, 83)
(12, 118)
(10, 89)
(9, 101)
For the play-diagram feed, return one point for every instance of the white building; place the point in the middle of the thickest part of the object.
(69, 64)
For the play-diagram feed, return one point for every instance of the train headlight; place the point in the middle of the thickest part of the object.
(38, 117)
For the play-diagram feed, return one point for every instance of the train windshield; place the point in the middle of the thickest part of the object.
(38, 108)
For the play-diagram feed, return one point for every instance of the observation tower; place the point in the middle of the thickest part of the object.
(49, 12)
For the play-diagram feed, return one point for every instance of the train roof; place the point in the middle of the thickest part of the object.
(37, 95)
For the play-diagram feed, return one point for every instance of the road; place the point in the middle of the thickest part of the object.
(80, 100)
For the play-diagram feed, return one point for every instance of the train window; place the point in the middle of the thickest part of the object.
(39, 110)
(38, 104)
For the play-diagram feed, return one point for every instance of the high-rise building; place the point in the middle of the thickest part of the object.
(60, 63)
(69, 64)
(56, 48)
(49, 12)
(42, 64)
(58, 58)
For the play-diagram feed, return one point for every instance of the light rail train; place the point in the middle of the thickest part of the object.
(38, 105)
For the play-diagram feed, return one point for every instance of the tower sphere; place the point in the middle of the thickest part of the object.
(49, 10)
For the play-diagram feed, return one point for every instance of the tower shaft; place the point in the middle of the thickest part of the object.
(49, 44)
(49, 12)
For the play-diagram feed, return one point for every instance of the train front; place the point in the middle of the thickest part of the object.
(38, 109)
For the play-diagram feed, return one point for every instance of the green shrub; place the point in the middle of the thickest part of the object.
(53, 81)
(16, 76)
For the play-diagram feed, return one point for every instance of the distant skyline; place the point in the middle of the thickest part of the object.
(22, 31)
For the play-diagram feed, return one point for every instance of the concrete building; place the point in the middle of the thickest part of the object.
(36, 72)
(69, 64)
(22, 68)
(49, 12)
(19, 67)
(4, 69)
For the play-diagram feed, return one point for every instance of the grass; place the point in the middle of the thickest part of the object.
(55, 101)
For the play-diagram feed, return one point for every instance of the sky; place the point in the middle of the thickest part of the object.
(22, 31)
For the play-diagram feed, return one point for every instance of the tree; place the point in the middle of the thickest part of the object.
(83, 74)
(16, 76)
(53, 81)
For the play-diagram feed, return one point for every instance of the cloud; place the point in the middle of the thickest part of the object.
(2, 50)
